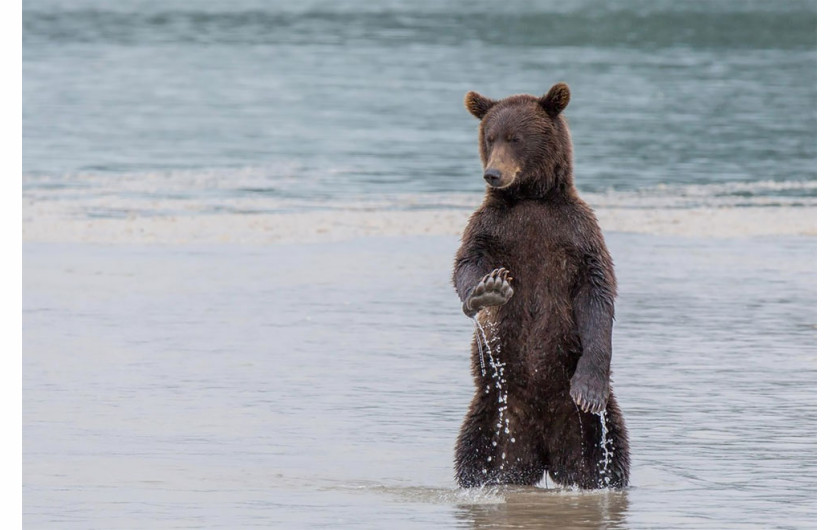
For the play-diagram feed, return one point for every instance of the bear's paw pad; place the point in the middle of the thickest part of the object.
(493, 289)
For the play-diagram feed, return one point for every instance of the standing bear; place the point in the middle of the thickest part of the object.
(541, 358)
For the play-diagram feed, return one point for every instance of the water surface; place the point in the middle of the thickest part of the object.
(324, 385)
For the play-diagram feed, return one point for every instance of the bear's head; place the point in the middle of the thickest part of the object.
(524, 141)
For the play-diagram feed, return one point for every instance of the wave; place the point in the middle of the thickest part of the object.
(283, 190)
(249, 206)
(713, 195)
(614, 26)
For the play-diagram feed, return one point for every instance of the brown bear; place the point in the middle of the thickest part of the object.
(541, 358)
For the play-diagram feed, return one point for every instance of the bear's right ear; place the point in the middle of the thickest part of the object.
(477, 104)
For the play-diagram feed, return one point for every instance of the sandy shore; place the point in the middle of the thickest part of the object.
(41, 224)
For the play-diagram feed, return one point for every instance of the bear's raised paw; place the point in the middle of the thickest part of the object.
(493, 289)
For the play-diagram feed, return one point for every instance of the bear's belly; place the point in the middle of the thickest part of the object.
(536, 329)
(537, 339)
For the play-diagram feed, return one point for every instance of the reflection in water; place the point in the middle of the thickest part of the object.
(538, 508)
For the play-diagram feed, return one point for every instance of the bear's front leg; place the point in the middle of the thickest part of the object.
(493, 289)
(594, 310)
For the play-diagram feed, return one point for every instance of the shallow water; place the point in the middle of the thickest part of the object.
(324, 384)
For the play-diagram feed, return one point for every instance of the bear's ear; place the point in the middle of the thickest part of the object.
(556, 99)
(477, 104)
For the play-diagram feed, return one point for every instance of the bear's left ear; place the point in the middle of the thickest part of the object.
(556, 99)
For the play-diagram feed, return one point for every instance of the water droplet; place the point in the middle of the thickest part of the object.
(484, 345)
(605, 443)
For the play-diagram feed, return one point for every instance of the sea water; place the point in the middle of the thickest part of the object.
(202, 103)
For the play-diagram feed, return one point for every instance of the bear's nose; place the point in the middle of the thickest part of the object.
(493, 176)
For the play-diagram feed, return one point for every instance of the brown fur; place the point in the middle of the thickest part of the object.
(554, 334)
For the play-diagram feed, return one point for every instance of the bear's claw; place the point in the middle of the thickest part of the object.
(589, 394)
(493, 289)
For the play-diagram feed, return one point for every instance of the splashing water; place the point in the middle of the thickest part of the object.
(499, 382)
(580, 422)
(478, 342)
(606, 447)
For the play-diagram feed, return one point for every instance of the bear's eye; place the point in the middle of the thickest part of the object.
(491, 139)
(513, 139)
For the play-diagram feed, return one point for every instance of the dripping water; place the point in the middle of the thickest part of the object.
(580, 422)
(499, 382)
(478, 341)
(606, 447)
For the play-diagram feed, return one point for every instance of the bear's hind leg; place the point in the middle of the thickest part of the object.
(474, 451)
(483, 457)
(577, 455)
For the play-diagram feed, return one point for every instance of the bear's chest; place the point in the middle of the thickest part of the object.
(538, 251)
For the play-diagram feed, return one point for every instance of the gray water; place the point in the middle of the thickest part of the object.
(188, 382)
(324, 385)
(322, 99)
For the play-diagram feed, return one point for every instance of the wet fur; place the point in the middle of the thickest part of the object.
(557, 326)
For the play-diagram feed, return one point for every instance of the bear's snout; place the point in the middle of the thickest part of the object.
(502, 167)
(493, 177)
